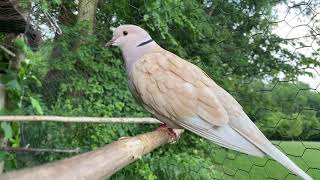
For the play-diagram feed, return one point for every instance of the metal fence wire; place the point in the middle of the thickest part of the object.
(265, 53)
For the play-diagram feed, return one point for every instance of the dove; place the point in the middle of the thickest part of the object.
(183, 96)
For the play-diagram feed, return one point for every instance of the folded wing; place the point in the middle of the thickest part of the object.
(183, 93)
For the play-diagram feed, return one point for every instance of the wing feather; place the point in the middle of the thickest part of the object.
(222, 135)
(178, 91)
(163, 78)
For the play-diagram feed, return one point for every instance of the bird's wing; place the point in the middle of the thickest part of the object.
(183, 93)
(176, 89)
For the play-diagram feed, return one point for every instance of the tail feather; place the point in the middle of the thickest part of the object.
(259, 140)
(244, 136)
(277, 155)
(224, 136)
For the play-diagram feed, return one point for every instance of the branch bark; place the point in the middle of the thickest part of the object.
(77, 150)
(87, 12)
(98, 164)
(79, 119)
(7, 51)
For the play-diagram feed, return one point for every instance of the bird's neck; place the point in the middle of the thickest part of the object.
(132, 54)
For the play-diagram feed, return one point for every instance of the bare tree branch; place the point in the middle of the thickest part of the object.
(25, 149)
(98, 164)
(53, 23)
(79, 119)
(7, 51)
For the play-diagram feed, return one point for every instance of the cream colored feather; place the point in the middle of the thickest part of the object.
(181, 95)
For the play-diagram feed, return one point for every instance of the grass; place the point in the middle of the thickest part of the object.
(242, 167)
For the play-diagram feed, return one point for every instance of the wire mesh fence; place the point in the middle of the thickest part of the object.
(265, 53)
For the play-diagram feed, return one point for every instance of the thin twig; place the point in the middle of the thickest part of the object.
(53, 23)
(25, 149)
(79, 119)
(7, 51)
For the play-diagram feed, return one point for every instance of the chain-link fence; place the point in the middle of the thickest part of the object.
(265, 53)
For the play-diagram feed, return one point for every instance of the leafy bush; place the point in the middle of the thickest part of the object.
(73, 75)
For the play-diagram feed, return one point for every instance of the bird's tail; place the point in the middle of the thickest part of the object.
(261, 142)
(277, 155)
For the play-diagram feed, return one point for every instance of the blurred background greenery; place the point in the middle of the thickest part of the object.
(72, 74)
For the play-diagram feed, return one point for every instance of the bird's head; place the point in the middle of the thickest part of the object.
(125, 36)
(134, 42)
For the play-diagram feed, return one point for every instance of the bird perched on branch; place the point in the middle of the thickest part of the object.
(181, 95)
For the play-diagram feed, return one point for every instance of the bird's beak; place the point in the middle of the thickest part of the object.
(110, 43)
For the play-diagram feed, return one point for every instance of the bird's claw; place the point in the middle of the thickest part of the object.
(173, 136)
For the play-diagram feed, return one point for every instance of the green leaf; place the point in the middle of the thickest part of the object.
(57, 2)
(13, 84)
(16, 141)
(146, 17)
(20, 44)
(3, 155)
(7, 130)
(36, 105)
(37, 81)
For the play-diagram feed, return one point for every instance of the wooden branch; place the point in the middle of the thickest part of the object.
(7, 51)
(98, 164)
(79, 119)
(25, 149)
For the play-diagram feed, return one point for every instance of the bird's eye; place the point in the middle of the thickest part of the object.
(125, 33)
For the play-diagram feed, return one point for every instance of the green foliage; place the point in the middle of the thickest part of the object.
(13, 88)
(10, 162)
(13, 79)
(11, 137)
(282, 110)
(73, 75)
(7, 130)
(36, 105)
(165, 167)
(90, 81)
(11, 132)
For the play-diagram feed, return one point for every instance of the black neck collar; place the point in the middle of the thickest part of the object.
(145, 42)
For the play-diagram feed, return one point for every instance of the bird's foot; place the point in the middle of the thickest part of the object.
(173, 136)
(163, 126)
(170, 132)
